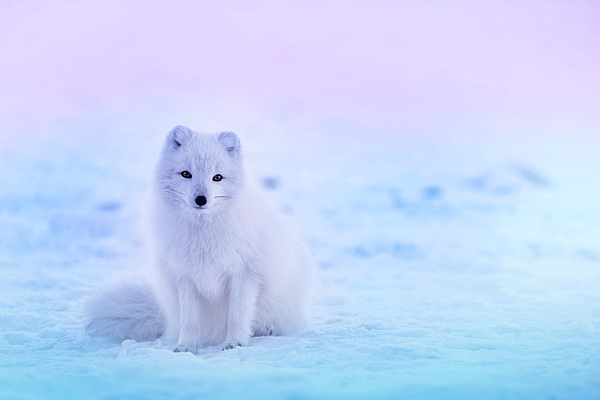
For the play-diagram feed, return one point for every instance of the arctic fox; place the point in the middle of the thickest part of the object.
(227, 265)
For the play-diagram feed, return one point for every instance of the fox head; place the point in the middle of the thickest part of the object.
(200, 171)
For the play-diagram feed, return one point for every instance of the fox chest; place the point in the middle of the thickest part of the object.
(209, 266)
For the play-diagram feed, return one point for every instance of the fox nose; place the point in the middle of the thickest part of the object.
(201, 200)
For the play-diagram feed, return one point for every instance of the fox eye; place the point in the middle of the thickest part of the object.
(186, 174)
(217, 178)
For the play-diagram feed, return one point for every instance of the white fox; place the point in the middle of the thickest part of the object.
(228, 266)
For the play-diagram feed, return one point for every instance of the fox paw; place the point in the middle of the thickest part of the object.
(231, 344)
(182, 348)
(264, 331)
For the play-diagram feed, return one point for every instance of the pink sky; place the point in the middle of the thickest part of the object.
(374, 58)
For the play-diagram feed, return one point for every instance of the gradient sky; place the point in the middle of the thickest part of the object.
(346, 59)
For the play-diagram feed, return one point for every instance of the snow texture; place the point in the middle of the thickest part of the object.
(458, 251)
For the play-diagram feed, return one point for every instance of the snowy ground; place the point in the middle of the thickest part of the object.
(458, 251)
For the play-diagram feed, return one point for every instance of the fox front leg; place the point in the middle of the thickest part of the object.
(242, 304)
(189, 320)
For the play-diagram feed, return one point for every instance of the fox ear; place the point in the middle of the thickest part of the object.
(178, 135)
(230, 141)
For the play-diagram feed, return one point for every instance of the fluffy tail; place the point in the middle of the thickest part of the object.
(128, 310)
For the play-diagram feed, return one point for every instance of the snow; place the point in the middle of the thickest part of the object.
(448, 190)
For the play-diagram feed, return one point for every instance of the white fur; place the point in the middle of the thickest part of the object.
(227, 270)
